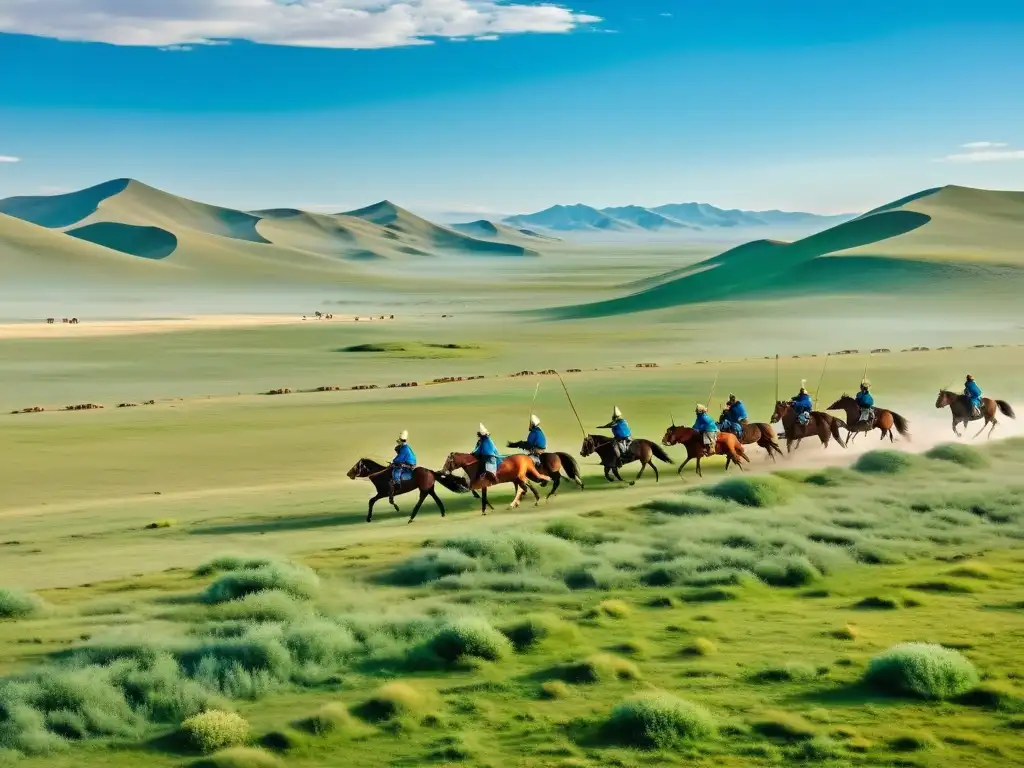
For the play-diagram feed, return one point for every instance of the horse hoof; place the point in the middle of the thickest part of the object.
(633, 483)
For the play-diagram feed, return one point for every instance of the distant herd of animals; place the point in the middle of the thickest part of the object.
(66, 321)
(357, 319)
(545, 467)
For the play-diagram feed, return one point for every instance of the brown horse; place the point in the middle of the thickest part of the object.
(422, 480)
(640, 450)
(824, 425)
(760, 433)
(513, 469)
(553, 464)
(963, 413)
(726, 444)
(885, 420)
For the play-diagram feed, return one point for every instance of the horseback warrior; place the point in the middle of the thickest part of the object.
(620, 431)
(707, 428)
(802, 404)
(536, 440)
(866, 403)
(735, 416)
(972, 392)
(487, 452)
(405, 460)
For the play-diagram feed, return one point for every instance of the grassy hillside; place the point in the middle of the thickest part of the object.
(951, 240)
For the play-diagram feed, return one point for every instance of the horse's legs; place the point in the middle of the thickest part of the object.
(533, 490)
(680, 470)
(615, 470)
(423, 495)
(643, 466)
(728, 460)
(556, 480)
(654, 469)
(519, 492)
(699, 473)
(983, 426)
(374, 500)
(437, 500)
(736, 461)
(483, 501)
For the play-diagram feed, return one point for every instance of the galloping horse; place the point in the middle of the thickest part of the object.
(513, 469)
(639, 450)
(964, 413)
(760, 433)
(422, 480)
(726, 444)
(885, 420)
(824, 425)
(553, 463)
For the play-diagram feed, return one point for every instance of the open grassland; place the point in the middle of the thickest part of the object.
(802, 617)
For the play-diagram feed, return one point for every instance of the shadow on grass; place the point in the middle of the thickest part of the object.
(850, 695)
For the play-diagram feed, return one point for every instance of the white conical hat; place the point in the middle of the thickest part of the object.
(865, 383)
(701, 408)
(403, 435)
(616, 413)
(482, 430)
(534, 420)
(803, 383)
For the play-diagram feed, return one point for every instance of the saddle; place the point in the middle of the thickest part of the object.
(867, 414)
(406, 475)
(803, 418)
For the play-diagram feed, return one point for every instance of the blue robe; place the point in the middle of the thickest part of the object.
(536, 440)
(405, 459)
(803, 403)
(487, 452)
(865, 400)
(705, 423)
(973, 393)
(621, 430)
(737, 412)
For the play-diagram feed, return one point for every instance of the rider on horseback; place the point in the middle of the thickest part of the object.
(487, 452)
(802, 404)
(866, 403)
(735, 416)
(620, 431)
(536, 440)
(707, 428)
(405, 460)
(972, 393)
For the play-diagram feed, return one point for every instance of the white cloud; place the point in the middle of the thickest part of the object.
(9, 159)
(982, 145)
(986, 156)
(306, 23)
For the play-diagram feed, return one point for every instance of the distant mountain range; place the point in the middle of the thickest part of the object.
(678, 216)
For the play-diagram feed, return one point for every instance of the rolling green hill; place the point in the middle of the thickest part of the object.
(952, 240)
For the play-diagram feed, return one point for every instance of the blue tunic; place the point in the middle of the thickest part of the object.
(705, 423)
(973, 392)
(485, 448)
(537, 440)
(621, 430)
(803, 403)
(737, 412)
(404, 455)
(865, 400)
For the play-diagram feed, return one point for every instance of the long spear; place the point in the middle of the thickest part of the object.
(712, 392)
(823, 367)
(866, 364)
(776, 378)
(534, 401)
(569, 398)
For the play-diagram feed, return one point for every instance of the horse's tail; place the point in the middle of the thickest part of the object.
(572, 469)
(1006, 409)
(768, 435)
(836, 424)
(452, 483)
(659, 452)
(902, 425)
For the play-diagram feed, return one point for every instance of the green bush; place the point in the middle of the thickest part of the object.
(791, 571)
(320, 642)
(790, 672)
(271, 605)
(614, 609)
(700, 646)
(555, 689)
(922, 670)
(225, 563)
(534, 630)
(240, 757)
(330, 718)
(883, 463)
(431, 566)
(294, 580)
(758, 491)
(599, 668)
(392, 701)
(18, 605)
(964, 455)
(658, 721)
(469, 638)
(214, 730)
(784, 726)
(572, 529)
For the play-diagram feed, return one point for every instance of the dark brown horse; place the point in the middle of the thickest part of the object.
(886, 421)
(553, 464)
(963, 413)
(824, 425)
(640, 450)
(760, 433)
(422, 480)
(516, 469)
(726, 444)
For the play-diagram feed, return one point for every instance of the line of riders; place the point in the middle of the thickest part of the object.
(733, 420)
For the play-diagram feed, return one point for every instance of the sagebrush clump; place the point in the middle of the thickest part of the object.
(922, 670)
(469, 638)
(15, 604)
(295, 580)
(762, 491)
(215, 729)
(658, 721)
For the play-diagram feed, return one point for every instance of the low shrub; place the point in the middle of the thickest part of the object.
(614, 609)
(284, 740)
(658, 720)
(319, 641)
(392, 701)
(883, 463)
(297, 581)
(700, 646)
(431, 566)
(784, 726)
(240, 757)
(912, 742)
(758, 491)
(225, 563)
(15, 604)
(848, 632)
(791, 571)
(271, 605)
(573, 529)
(964, 455)
(330, 718)
(555, 689)
(790, 672)
(923, 670)
(215, 729)
(469, 638)
(534, 630)
(599, 668)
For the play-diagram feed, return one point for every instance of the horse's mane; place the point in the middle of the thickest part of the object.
(949, 392)
(600, 439)
(372, 464)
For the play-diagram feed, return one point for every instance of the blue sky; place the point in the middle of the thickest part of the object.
(479, 105)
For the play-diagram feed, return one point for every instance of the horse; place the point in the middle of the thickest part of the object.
(513, 469)
(963, 412)
(824, 425)
(760, 433)
(422, 480)
(50, 321)
(639, 450)
(553, 464)
(885, 420)
(726, 444)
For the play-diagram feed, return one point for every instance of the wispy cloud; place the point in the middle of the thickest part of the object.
(9, 159)
(176, 24)
(985, 152)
